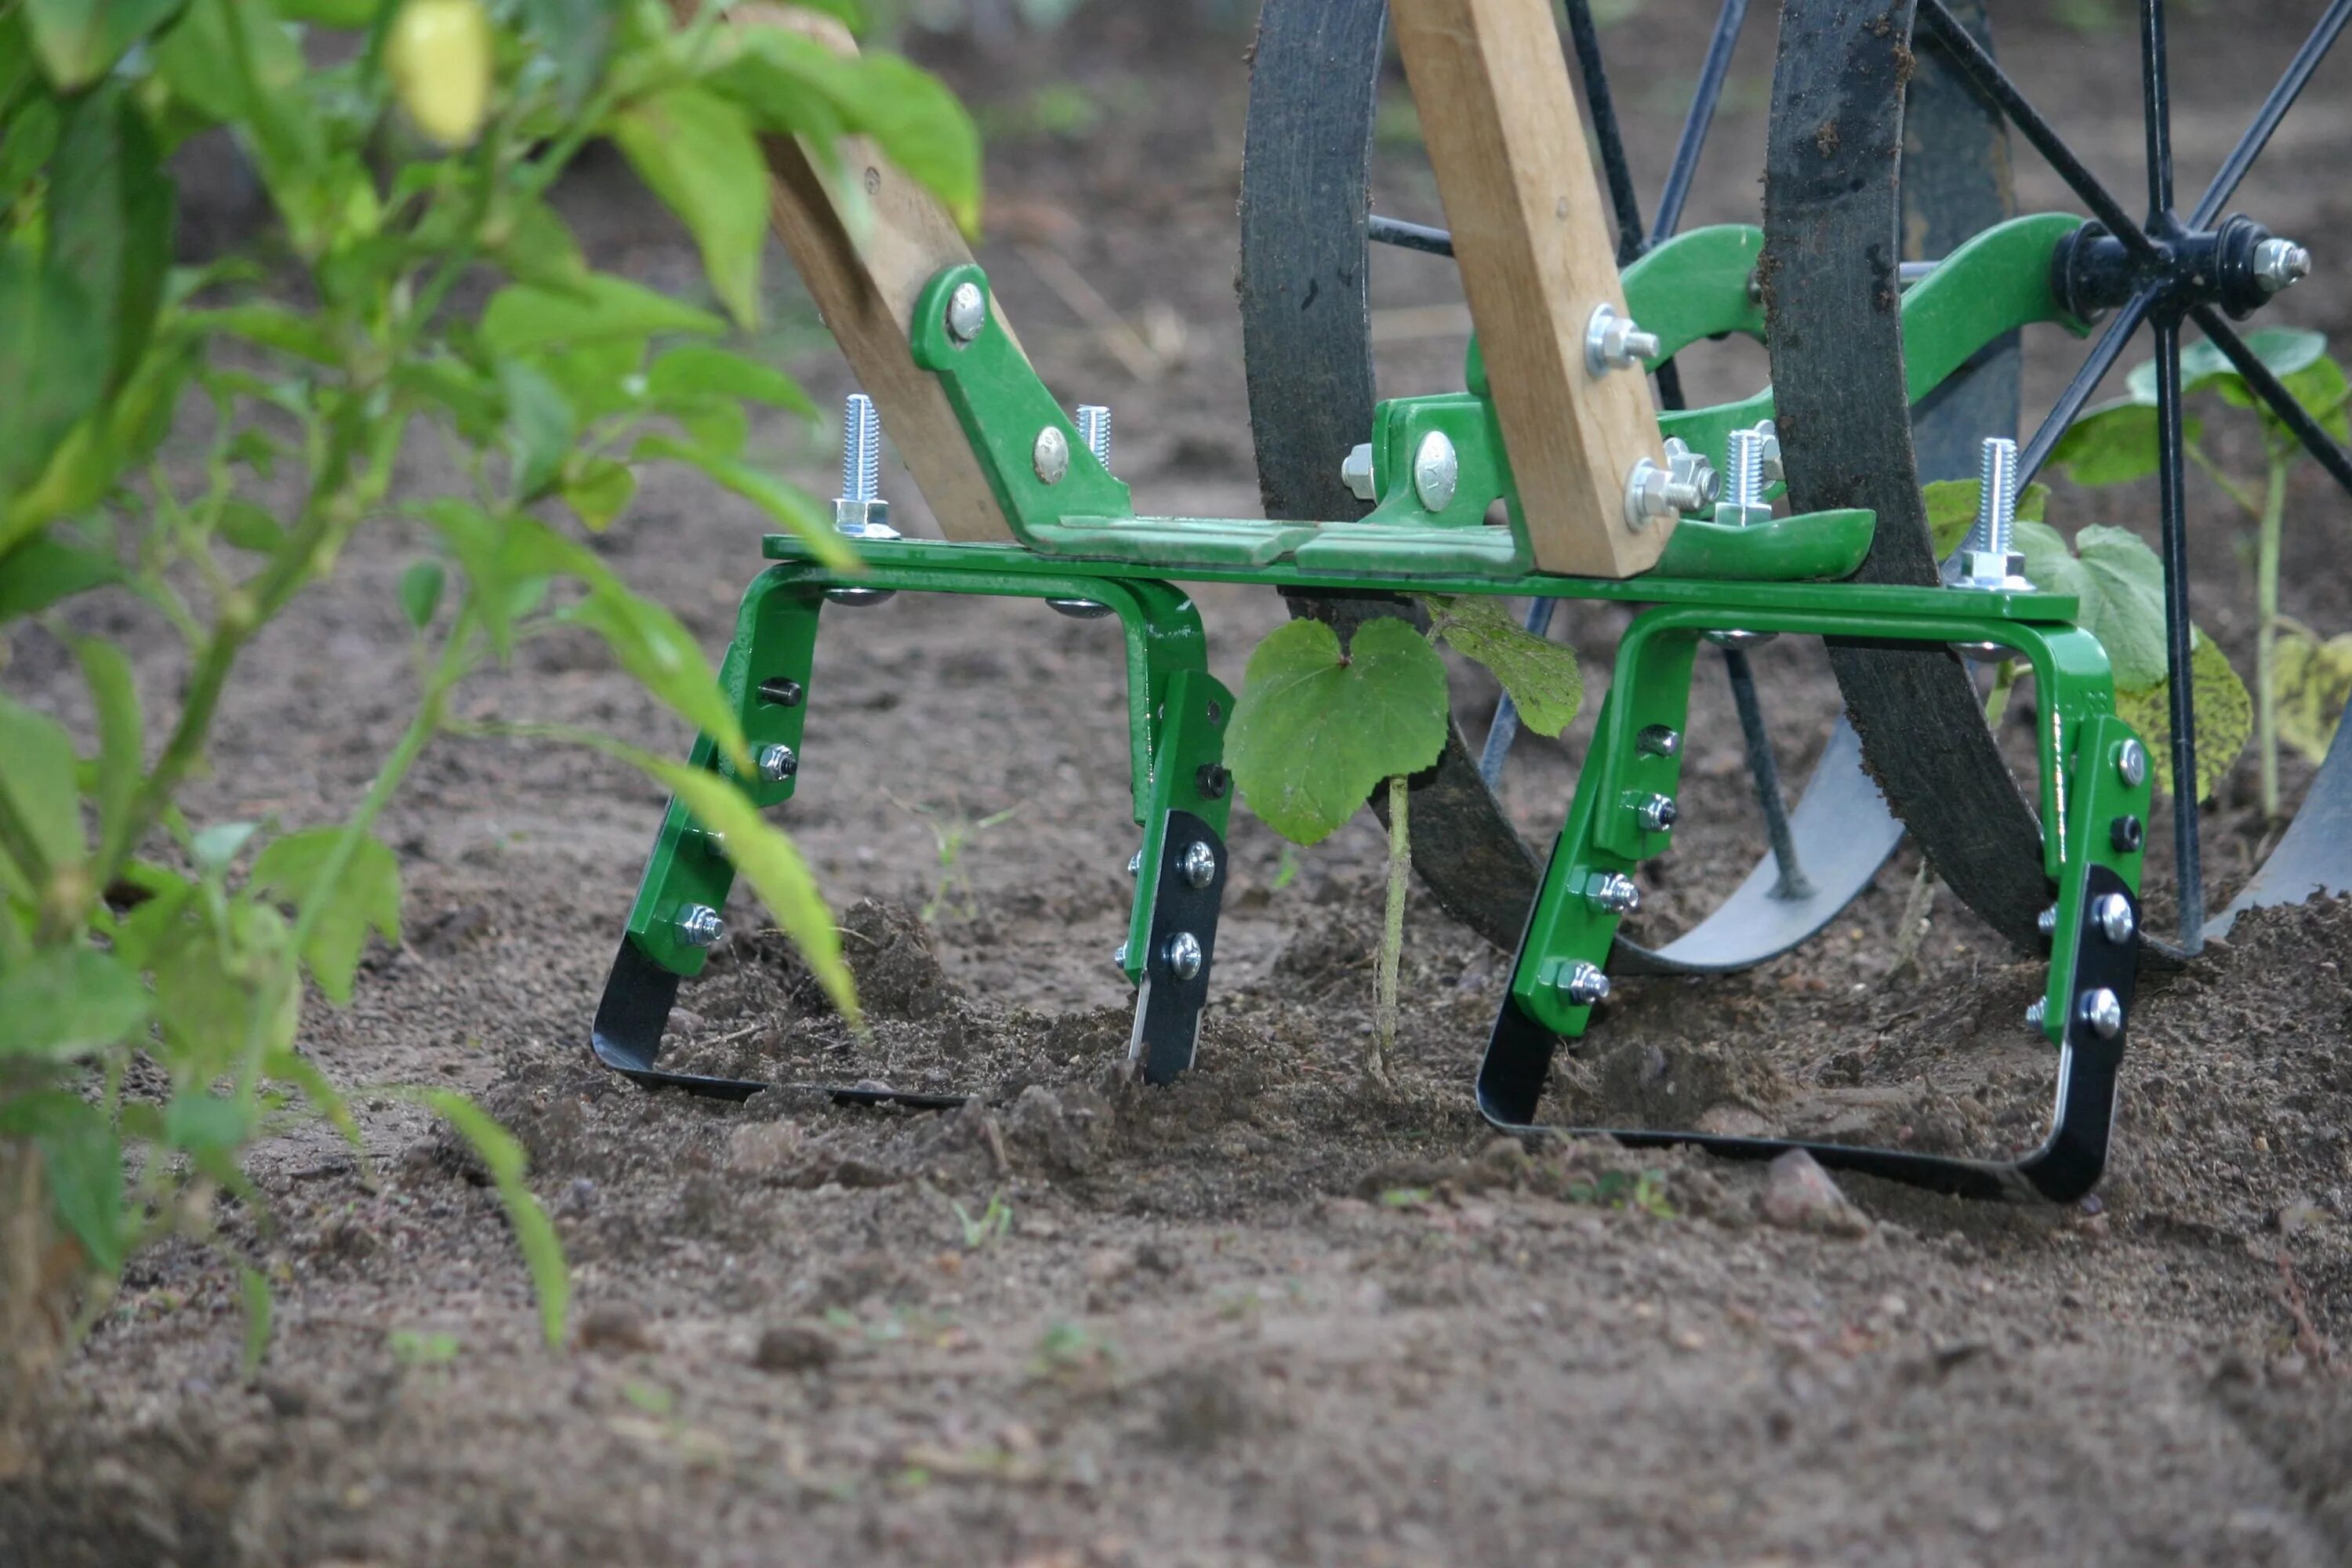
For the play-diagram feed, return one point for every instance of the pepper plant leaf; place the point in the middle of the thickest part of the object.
(1315, 728)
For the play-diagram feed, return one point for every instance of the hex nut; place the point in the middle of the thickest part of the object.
(1585, 985)
(778, 764)
(699, 925)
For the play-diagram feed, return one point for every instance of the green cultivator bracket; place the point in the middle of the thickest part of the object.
(1436, 469)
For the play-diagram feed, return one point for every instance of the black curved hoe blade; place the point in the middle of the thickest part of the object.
(2066, 1165)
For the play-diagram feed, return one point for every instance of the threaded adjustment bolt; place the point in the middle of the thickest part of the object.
(1094, 431)
(2280, 264)
(1988, 557)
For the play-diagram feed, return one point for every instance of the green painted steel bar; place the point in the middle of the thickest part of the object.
(1623, 810)
(2102, 796)
(1187, 773)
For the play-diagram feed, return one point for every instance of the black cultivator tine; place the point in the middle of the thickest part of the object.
(1183, 947)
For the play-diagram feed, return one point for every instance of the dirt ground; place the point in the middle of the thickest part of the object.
(1266, 1316)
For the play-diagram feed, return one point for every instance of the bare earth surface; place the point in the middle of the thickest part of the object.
(1267, 1316)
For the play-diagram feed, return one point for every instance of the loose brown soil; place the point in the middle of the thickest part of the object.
(1267, 1315)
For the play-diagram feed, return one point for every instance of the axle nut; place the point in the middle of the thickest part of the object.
(1182, 955)
(699, 925)
(2113, 914)
(1585, 985)
(2280, 264)
(2103, 1010)
(1199, 865)
(1656, 814)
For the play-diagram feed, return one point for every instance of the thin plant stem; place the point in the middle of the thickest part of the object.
(2266, 619)
(1384, 999)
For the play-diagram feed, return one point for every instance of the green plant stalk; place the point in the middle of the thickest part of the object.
(2266, 622)
(1384, 986)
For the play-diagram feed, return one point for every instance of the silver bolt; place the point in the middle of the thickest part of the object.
(2037, 1012)
(1135, 864)
(1585, 985)
(1658, 740)
(860, 598)
(713, 840)
(778, 764)
(1656, 814)
(2103, 1010)
(859, 510)
(1735, 638)
(1094, 429)
(1987, 557)
(1615, 892)
(1078, 609)
(1743, 503)
(2280, 264)
(1182, 955)
(1613, 341)
(1686, 483)
(967, 312)
(1356, 472)
(2114, 913)
(1050, 457)
(1119, 955)
(2046, 922)
(1199, 865)
(1437, 470)
(1775, 472)
(2131, 763)
(699, 925)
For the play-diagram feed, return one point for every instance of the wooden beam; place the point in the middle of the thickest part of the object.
(865, 288)
(1532, 244)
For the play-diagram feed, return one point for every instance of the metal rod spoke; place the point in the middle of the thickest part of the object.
(2094, 367)
(1765, 770)
(1711, 74)
(2156, 102)
(2272, 391)
(1408, 236)
(2176, 636)
(1994, 83)
(1506, 726)
(1619, 172)
(2274, 110)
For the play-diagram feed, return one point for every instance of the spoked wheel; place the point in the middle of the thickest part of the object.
(1308, 230)
(1838, 161)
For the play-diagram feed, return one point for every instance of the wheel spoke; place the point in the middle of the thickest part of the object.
(1408, 236)
(2096, 366)
(2274, 110)
(2272, 391)
(1711, 74)
(2156, 100)
(1506, 726)
(1994, 83)
(1614, 166)
(2185, 847)
(1765, 769)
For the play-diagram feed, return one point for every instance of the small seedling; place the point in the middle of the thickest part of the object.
(411, 1348)
(952, 833)
(992, 1223)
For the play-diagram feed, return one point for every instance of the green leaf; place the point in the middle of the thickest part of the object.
(2310, 680)
(111, 220)
(269, 325)
(697, 370)
(53, 362)
(2120, 582)
(82, 1162)
(540, 427)
(288, 1066)
(1539, 674)
(772, 864)
(664, 658)
(365, 896)
(121, 733)
(2283, 350)
(1951, 512)
(2225, 716)
(2319, 386)
(202, 1123)
(543, 1254)
(41, 572)
(38, 795)
(698, 153)
(575, 36)
(248, 527)
(717, 425)
(420, 593)
(2115, 443)
(67, 1002)
(785, 503)
(797, 85)
(520, 316)
(600, 491)
(1315, 731)
(80, 40)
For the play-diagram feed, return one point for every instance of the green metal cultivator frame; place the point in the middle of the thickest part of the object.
(1437, 471)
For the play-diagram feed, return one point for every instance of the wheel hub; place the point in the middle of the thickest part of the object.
(2240, 266)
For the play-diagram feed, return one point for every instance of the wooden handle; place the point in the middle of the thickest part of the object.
(1532, 244)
